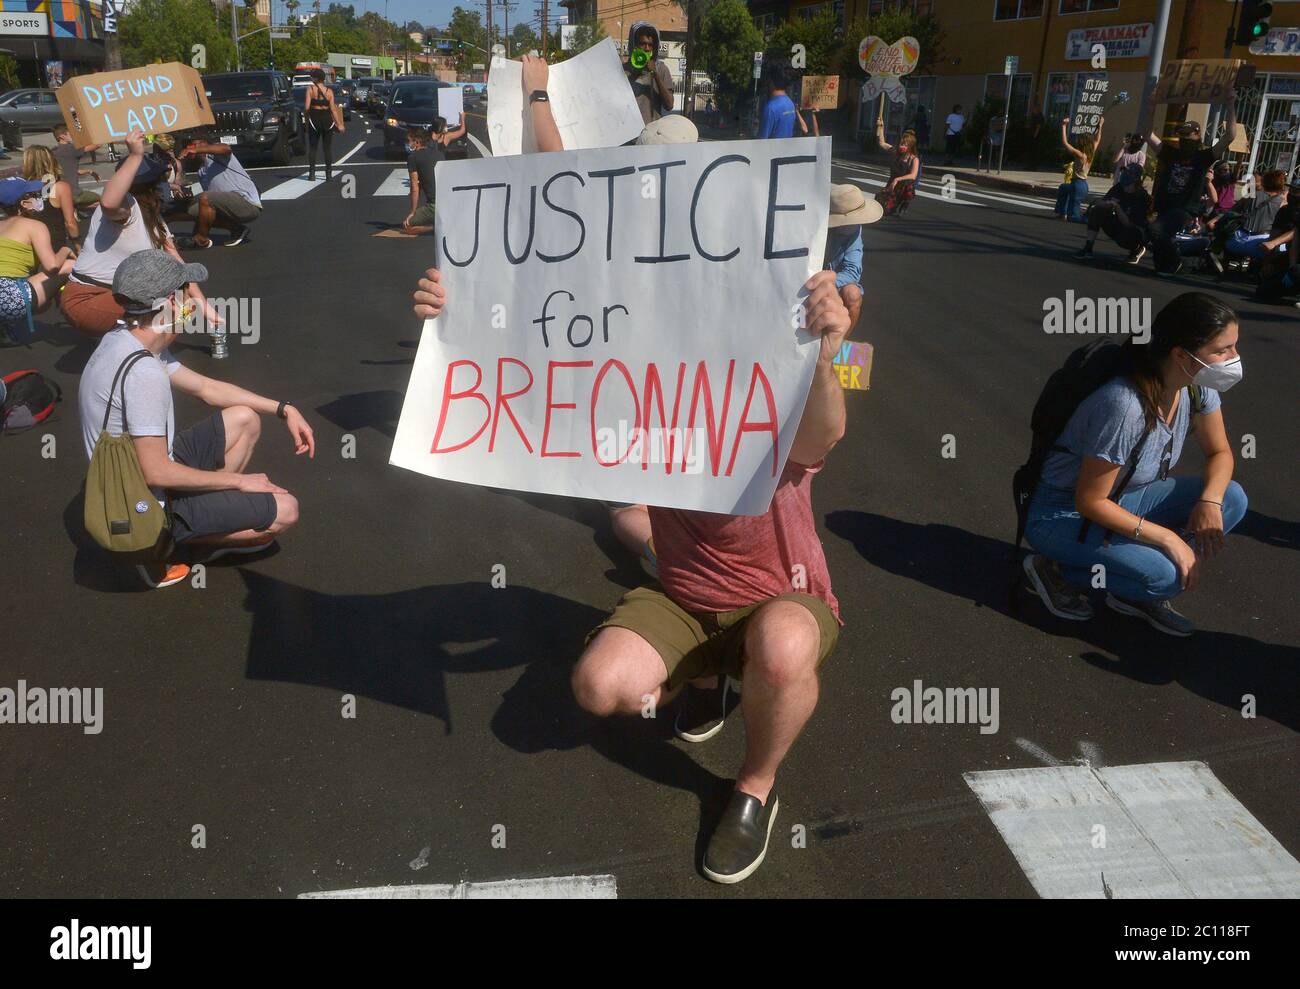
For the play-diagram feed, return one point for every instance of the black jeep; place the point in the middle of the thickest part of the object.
(255, 111)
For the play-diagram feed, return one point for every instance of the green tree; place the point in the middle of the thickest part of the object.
(725, 44)
(167, 30)
(821, 37)
(523, 39)
(588, 33)
(889, 26)
(466, 26)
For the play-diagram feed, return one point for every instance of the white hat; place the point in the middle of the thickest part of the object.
(849, 207)
(673, 128)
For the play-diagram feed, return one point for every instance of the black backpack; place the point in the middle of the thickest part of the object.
(1084, 371)
(26, 398)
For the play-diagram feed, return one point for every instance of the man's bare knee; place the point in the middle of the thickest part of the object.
(613, 676)
(782, 643)
(286, 512)
(242, 423)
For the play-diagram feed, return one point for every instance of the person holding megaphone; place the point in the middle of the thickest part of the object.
(651, 82)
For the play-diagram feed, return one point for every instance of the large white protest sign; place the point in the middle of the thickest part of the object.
(451, 105)
(591, 101)
(623, 324)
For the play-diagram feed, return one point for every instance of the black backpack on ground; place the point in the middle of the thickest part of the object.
(1084, 371)
(26, 398)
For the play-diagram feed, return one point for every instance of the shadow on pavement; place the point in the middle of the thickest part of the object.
(368, 409)
(1219, 666)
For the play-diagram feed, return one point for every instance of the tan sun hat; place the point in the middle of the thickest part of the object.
(673, 128)
(849, 207)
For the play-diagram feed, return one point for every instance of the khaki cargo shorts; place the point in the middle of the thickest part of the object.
(695, 645)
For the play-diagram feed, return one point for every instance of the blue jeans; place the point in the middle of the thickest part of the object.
(1070, 199)
(1134, 571)
(1247, 245)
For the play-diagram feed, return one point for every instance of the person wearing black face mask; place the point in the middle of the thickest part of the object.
(1105, 503)
(1132, 152)
(1180, 182)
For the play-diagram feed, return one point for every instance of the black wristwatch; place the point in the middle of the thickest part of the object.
(279, 412)
(538, 96)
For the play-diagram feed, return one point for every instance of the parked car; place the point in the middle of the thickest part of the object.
(31, 109)
(256, 112)
(415, 104)
(344, 99)
(361, 95)
(378, 97)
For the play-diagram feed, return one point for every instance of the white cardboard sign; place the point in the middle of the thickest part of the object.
(622, 324)
(591, 101)
(451, 105)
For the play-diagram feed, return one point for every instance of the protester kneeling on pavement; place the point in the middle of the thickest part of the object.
(422, 157)
(723, 610)
(128, 220)
(1151, 542)
(849, 211)
(229, 200)
(1122, 214)
(200, 472)
(31, 270)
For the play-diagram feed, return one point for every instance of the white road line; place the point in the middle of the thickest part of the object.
(920, 192)
(360, 145)
(965, 191)
(555, 888)
(1156, 830)
(398, 183)
(478, 144)
(292, 188)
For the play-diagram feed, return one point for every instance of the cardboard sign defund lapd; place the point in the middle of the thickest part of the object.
(1202, 80)
(106, 106)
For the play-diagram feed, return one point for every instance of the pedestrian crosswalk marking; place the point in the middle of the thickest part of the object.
(292, 188)
(603, 887)
(1156, 830)
(398, 183)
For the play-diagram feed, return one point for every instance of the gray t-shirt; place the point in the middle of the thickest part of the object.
(1109, 423)
(149, 408)
(69, 159)
(224, 173)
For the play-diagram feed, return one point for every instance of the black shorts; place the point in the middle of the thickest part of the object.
(212, 513)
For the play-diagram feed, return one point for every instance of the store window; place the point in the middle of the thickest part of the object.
(995, 89)
(1087, 6)
(1014, 10)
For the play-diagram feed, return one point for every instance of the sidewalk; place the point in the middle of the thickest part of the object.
(1041, 182)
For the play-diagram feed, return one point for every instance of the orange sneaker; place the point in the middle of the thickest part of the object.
(163, 574)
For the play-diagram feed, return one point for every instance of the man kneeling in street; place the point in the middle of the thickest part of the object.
(737, 597)
(199, 473)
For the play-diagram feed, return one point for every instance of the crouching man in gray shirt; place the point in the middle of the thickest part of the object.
(199, 473)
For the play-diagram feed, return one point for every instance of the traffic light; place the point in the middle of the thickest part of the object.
(1254, 21)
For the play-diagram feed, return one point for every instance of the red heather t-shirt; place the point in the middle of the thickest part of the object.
(713, 563)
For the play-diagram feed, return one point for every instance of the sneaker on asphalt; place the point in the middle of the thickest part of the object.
(193, 244)
(1083, 254)
(1136, 255)
(739, 842)
(163, 574)
(237, 237)
(1059, 596)
(702, 711)
(1160, 615)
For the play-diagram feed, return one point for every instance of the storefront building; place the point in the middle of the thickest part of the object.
(52, 40)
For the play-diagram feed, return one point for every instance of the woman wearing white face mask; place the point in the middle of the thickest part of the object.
(1153, 534)
(31, 271)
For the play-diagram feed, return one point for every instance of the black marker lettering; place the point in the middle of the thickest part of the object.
(695, 200)
(582, 227)
(478, 204)
(544, 318)
(663, 213)
(611, 174)
(773, 208)
(532, 225)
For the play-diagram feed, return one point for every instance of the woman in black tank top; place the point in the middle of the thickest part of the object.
(320, 111)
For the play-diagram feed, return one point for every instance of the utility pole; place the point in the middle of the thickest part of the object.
(1146, 112)
(319, 39)
(545, 13)
(234, 34)
(491, 37)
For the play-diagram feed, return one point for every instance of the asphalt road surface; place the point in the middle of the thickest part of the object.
(222, 704)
